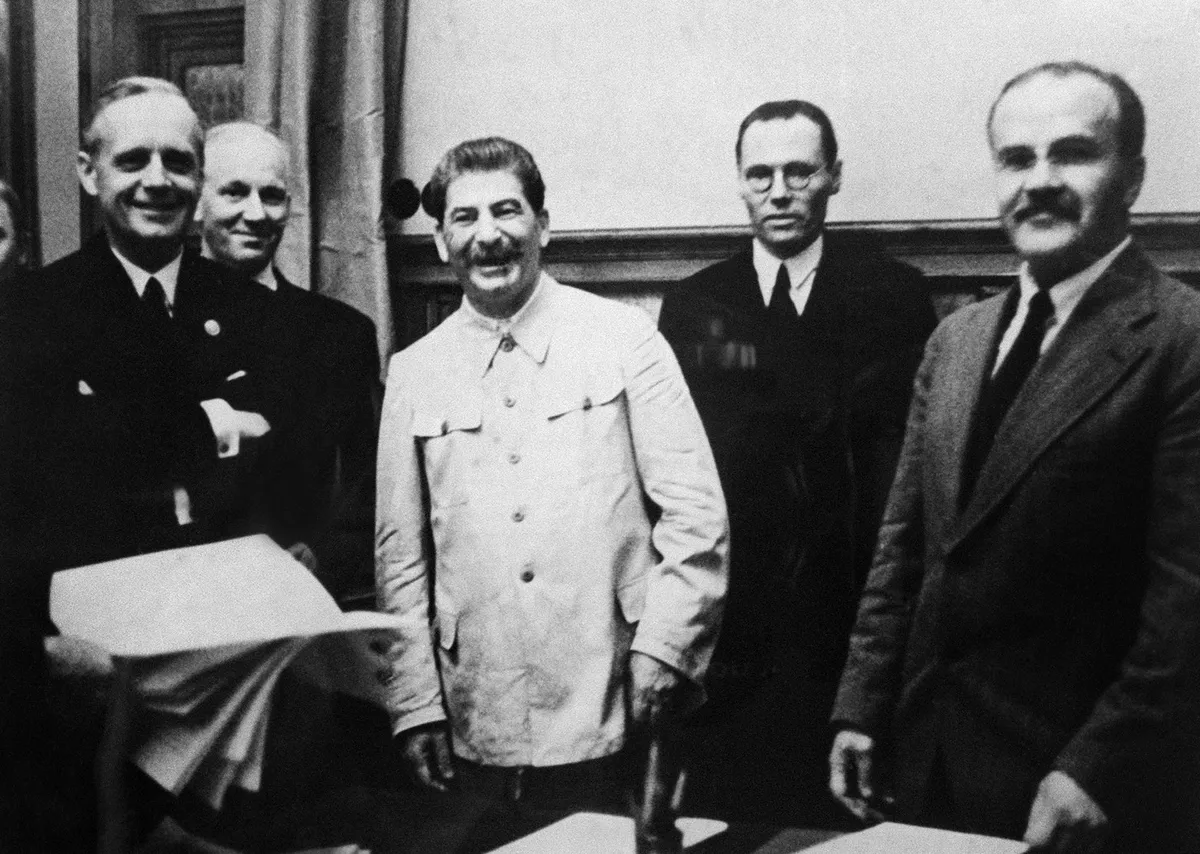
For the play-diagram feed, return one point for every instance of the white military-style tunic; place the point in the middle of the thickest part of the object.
(514, 534)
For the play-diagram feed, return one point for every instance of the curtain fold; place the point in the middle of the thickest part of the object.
(326, 74)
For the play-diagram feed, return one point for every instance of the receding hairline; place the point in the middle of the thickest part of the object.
(231, 135)
(1062, 71)
(91, 136)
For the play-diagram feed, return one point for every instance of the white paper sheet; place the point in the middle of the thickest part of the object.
(893, 838)
(239, 591)
(589, 833)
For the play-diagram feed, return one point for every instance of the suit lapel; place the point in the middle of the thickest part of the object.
(965, 382)
(1103, 338)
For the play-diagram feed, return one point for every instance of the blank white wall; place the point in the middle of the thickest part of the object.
(56, 102)
(631, 107)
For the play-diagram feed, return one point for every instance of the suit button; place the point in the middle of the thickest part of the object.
(518, 515)
(514, 458)
(507, 344)
(527, 576)
(587, 403)
(509, 402)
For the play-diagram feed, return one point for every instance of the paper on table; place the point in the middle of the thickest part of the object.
(589, 832)
(239, 591)
(893, 838)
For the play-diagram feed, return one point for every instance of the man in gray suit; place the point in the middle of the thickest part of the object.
(1025, 659)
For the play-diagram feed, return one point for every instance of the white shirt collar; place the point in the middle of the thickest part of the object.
(1065, 295)
(266, 277)
(168, 276)
(801, 268)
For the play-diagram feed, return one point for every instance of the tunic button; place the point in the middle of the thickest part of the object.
(509, 402)
(587, 403)
(506, 344)
(527, 576)
(518, 515)
(514, 458)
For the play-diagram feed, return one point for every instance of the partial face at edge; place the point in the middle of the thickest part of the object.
(10, 243)
(1064, 189)
(786, 220)
(493, 239)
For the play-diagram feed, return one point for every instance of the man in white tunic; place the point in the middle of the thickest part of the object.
(549, 520)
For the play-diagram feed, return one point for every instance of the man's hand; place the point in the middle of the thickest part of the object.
(1064, 818)
(852, 775)
(426, 751)
(654, 689)
(304, 555)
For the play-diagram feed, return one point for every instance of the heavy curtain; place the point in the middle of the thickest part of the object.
(326, 75)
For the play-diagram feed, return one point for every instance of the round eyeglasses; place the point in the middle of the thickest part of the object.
(796, 176)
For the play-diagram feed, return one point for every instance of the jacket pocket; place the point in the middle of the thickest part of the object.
(448, 438)
(587, 417)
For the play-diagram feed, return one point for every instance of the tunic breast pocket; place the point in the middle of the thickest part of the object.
(449, 441)
(588, 424)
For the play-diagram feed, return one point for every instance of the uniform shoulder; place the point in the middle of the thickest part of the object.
(594, 316)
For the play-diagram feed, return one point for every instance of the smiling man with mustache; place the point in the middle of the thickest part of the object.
(1026, 659)
(800, 351)
(550, 522)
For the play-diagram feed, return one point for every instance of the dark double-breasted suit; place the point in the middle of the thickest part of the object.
(805, 418)
(318, 483)
(1050, 619)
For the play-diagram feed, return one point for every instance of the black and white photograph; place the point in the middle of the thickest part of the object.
(516, 426)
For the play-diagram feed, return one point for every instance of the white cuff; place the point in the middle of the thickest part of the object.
(221, 417)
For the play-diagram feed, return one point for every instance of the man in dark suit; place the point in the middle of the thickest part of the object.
(129, 381)
(1026, 655)
(319, 473)
(130, 364)
(800, 352)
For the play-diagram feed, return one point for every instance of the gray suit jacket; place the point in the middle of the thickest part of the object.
(1059, 610)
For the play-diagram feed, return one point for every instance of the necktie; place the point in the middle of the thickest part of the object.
(781, 305)
(1002, 389)
(155, 299)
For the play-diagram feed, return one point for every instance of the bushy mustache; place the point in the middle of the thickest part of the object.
(503, 255)
(1058, 205)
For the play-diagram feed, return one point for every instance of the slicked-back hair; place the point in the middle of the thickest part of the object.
(1131, 115)
(489, 154)
(128, 87)
(772, 110)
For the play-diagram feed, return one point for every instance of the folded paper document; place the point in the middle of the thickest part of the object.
(208, 630)
(247, 590)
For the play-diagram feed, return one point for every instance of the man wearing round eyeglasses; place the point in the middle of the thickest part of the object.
(800, 352)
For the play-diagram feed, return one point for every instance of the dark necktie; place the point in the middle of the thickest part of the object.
(1000, 392)
(155, 299)
(781, 305)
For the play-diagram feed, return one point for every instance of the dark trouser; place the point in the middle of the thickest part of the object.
(520, 800)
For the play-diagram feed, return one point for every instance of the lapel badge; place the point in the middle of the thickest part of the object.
(85, 389)
(212, 327)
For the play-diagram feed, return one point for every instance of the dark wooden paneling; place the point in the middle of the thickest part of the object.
(964, 261)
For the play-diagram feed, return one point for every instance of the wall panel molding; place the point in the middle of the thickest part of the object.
(964, 260)
(653, 255)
